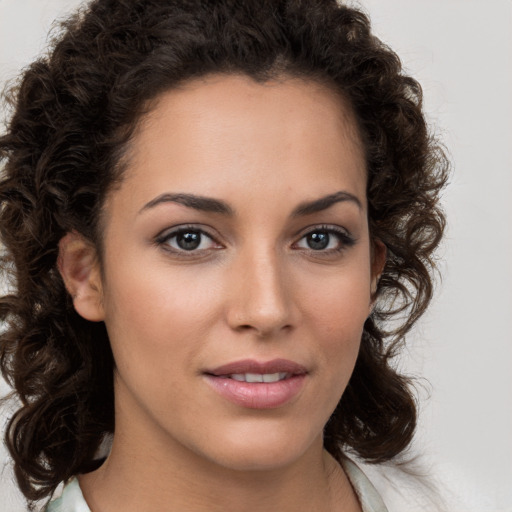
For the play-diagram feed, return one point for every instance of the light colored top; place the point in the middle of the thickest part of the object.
(369, 498)
(72, 500)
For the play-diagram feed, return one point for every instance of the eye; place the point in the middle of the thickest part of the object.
(325, 239)
(187, 239)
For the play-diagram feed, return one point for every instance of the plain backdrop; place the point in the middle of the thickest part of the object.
(461, 52)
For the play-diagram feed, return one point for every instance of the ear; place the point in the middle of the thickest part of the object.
(79, 267)
(379, 253)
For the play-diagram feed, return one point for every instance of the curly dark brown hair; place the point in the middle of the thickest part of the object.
(74, 112)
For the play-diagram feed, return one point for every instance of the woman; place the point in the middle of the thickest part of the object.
(212, 214)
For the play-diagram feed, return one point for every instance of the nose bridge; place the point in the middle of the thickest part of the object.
(262, 298)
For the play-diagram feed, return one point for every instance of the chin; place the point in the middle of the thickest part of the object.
(262, 449)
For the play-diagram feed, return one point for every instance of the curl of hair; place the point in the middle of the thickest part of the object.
(74, 112)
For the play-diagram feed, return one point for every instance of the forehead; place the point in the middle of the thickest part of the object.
(227, 133)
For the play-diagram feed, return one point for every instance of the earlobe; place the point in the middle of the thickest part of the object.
(79, 267)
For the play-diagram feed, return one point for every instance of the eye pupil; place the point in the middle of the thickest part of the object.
(188, 240)
(318, 240)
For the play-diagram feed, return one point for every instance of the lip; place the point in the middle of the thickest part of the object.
(258, 395)
(253, 366)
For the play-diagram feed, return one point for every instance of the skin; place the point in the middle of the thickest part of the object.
(254, 289)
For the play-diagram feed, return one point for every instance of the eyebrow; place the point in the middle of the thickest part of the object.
(323, 203)
(205, 204)
(208, 204)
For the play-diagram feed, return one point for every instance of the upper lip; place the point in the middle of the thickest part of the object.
(262, 367)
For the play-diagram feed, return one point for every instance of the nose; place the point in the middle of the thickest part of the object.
(261, 295)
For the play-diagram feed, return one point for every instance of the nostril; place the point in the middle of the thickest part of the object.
(263, 331)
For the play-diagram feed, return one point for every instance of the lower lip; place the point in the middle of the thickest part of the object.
(257, 395)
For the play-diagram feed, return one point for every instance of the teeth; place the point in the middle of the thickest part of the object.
(258, 377)
(253, 377)
(272, 377)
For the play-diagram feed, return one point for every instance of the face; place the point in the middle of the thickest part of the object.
(237, 270)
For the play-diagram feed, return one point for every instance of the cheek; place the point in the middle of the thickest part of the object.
(333, 318)
(151, 312)
(336, 314)
(340, 302)
(157, 294)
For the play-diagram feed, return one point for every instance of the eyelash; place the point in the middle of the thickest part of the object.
(164, 239)
(345, 240)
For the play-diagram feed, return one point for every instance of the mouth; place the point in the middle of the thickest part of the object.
(249, 370)
(258, 377)
(258, 385)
